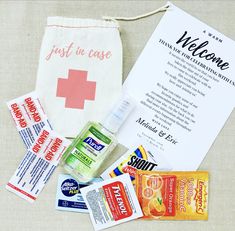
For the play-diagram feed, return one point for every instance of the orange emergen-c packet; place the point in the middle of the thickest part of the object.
(173, 195)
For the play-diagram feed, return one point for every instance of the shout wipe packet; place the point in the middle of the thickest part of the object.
(68, 196)
(29, 116)
(111, 202)
(143, 156)
(37, 165)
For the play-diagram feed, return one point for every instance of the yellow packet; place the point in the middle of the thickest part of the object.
(173, 195)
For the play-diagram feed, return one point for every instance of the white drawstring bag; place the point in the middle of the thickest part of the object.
(80, 71)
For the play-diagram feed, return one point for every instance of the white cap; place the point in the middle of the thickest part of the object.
(119, 113)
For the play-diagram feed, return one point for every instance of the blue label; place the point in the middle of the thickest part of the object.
(72, 204)
(94, 144)
(69, 187)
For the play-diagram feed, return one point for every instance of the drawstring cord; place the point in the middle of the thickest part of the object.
(161, 9)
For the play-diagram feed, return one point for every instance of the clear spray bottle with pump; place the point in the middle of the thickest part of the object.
(90, 148)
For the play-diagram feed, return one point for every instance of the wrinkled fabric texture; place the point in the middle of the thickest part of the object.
(80, 71)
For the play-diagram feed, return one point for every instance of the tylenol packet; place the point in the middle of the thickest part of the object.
(111, 202)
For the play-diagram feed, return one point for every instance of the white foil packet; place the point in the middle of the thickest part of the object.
(111, 202)
(68, 195)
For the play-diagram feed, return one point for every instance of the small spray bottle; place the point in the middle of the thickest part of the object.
(96, 141)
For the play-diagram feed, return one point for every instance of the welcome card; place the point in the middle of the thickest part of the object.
(184, 82)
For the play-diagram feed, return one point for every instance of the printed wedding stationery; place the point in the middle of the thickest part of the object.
(184, 82)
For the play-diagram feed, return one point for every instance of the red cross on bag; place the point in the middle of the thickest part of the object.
(80, 71)
(76, 89)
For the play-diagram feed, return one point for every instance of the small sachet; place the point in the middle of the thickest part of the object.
(173, 195)
(111, 202)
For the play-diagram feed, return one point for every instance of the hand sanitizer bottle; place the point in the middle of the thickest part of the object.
(96, 141)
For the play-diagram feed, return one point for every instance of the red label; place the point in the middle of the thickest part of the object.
(32, 109)
(21, 191)
(18, 115)
(130, 170)
(117, 200)
(40, 141)
(53, 149)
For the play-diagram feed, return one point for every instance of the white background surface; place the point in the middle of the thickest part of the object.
(21, 30)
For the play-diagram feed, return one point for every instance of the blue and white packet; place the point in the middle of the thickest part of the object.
(29, 117)
(68, 196)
